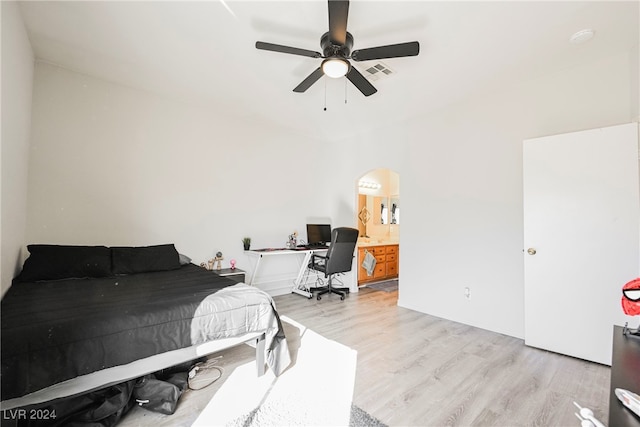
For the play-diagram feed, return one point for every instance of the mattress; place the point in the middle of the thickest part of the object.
(54, 331)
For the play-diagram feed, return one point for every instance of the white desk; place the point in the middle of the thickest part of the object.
(302, 255)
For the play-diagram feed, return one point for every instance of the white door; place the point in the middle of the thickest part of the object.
(581, 236)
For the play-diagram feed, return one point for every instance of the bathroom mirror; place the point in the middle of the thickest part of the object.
(394, 210)
(378, 212)
(380, 207)
(386, 210)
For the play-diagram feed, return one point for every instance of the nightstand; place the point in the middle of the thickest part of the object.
(235, 274)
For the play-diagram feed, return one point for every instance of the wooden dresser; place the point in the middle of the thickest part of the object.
(386, 263)
(625, 373)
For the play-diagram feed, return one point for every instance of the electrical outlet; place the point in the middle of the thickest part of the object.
(467, 293)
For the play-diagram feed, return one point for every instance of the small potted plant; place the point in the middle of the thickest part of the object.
(247, 243)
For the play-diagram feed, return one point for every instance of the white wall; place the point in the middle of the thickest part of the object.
(634, 93)
(113, 165)
(118, 166)
(461, 179)
(17, 82)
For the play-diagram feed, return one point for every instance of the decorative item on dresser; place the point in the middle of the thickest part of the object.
(218, 259)
(386, 263)
(246, 242)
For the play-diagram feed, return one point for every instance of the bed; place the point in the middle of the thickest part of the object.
(79, 318)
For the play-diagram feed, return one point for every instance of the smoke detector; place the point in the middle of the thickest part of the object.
(582, 36)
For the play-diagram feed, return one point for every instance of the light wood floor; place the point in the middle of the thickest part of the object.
(419, 370)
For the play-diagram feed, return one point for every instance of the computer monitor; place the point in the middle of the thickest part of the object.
(318, 234)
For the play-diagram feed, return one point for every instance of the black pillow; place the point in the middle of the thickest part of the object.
(140, 259)
(53, 262)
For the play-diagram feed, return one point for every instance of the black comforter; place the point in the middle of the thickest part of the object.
(56, 330)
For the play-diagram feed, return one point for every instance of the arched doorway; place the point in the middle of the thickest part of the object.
(378, 219)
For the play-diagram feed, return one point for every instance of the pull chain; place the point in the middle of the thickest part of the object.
(325, 94)
(345, 91)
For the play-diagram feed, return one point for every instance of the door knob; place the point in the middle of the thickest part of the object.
(531, 251)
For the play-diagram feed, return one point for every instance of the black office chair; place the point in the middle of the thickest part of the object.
(338, 259)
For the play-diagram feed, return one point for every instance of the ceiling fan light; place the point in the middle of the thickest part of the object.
(335, 67)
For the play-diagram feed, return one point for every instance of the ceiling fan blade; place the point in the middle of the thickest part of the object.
(286, 49)
(338, 15)
(311, 79)
(390, 51)
(361, 82)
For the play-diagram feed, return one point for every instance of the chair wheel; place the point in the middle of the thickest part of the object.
(342, 297)
(319, 298)
(310, 296)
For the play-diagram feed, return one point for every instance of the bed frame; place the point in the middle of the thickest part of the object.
(117, 374)
(141, 300)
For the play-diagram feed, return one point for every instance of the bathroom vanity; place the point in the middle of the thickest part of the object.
(386, 262)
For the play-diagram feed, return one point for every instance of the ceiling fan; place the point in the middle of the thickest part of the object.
(336, 50)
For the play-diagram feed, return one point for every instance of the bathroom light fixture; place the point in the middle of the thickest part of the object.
(335, 67)
(582, 36)
(369, 185)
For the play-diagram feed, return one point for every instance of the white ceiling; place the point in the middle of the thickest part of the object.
(203, 52)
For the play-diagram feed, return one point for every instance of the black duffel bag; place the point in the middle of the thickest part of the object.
(160, 395)
(99, 408)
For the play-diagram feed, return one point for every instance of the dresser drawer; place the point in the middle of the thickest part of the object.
(380, 271)
(392, 269)
(377, 250)
(386, 262)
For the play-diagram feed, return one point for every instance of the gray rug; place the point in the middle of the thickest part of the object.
(266, 415)
(386, 286)
(361, 418)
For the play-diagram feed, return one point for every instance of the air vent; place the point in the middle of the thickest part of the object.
(377, 71)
